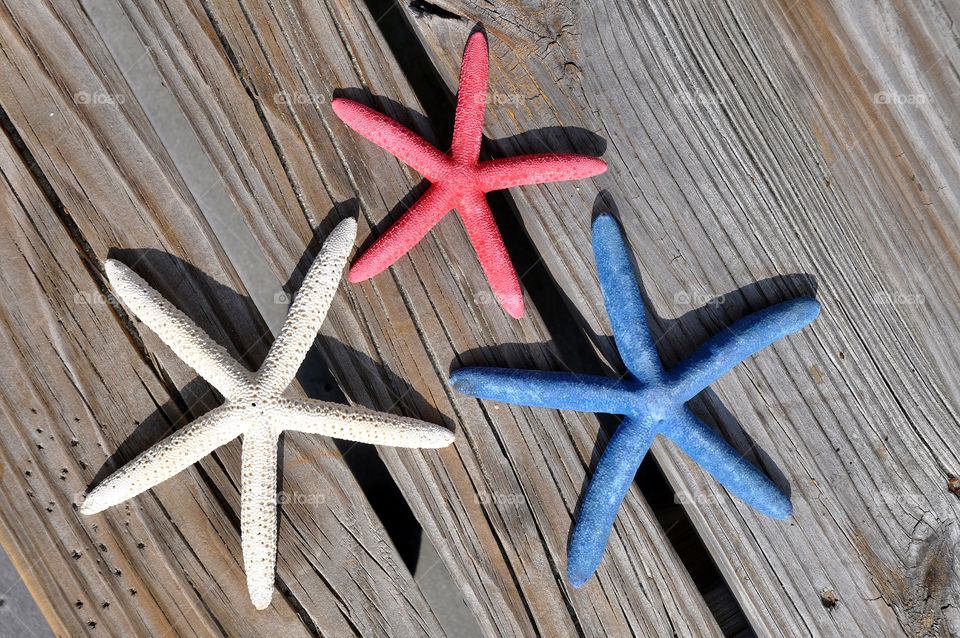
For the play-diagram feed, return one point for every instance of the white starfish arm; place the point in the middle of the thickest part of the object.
(258, 512)
(307, 312)
(208, 358)
(166, 458)
(359, 424)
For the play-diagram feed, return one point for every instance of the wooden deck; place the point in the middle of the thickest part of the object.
(758, 151)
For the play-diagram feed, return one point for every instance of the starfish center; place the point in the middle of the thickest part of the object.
(654, 401)
(461, 178)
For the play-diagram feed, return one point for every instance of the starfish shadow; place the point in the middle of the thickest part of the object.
(419, 123)
(221, 311)
(437, 129)
(550, 139)
(314, 374)
(676, 340)
(192, 400)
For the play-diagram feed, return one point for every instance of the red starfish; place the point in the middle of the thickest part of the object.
(458, 180)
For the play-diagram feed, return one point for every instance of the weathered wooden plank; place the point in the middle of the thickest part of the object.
(748, 142)
(74, 382)
(339, 572)
(508, 488)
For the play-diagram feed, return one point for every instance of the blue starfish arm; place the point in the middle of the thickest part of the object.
(621, 296)
(740, 340)
(609, 484)
(559, 390)
(727, 465)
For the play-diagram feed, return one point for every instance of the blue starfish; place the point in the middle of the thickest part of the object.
(651, 398)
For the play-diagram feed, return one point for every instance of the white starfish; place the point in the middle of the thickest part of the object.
(253, 408)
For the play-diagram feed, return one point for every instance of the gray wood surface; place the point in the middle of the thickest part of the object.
(498, 506)
(501, 510)
(807, 147)
(76, 385)
(758, 151)
(79, 384)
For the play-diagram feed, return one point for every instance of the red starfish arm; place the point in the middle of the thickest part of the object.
(537, 169)
(407, 146)
(403, 235)
(471, 100)
(492, 253)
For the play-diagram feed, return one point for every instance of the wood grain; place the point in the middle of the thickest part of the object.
(334, 557)
(752, 142)
(499, 505)
(74, 386)
(758, 151)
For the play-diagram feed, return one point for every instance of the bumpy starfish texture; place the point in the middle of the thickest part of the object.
(458, 179)
(651, 398)
(253, 407)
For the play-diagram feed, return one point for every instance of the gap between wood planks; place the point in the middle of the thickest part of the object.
(547, 297)
(378, 486)
(476, 541)
(249, 261)
(543, 292)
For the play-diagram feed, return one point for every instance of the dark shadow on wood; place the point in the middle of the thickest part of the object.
(315, 374)
(554, 139)
(572, 341)
(419, 123)
(208, 298)
(423, 9)
(672, 338)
